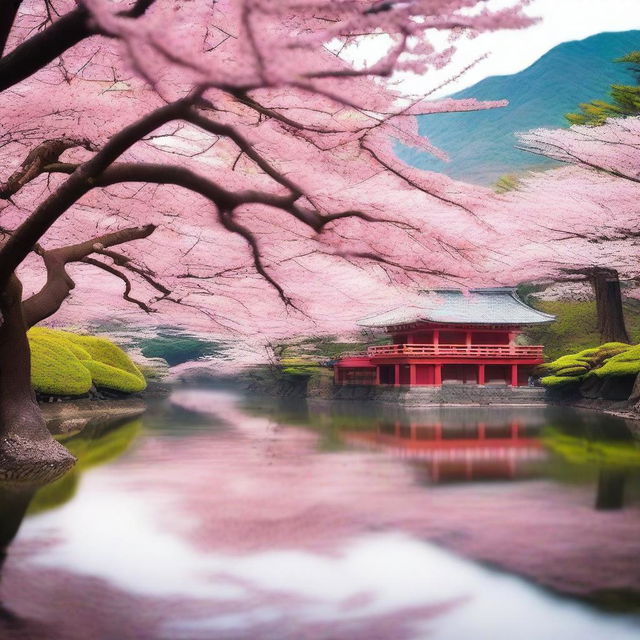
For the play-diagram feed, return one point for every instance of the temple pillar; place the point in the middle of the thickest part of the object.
(412, 375)
(436, 340)
(514, 375)
(396, 374)
(481, 375)
(377, 376)
(468, 339)
(438, 375)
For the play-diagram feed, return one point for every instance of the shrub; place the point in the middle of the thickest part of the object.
(298, 366)
(64, 363)
(625, 363)
(609, 359)
(555, 382)
(55, 367)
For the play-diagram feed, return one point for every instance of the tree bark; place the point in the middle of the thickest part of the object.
(59, 284)
(45, 46)
(28, 453)
(8, 13)
(606, 286)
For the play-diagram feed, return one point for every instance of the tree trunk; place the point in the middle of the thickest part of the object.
(28, 453)
(606, 286)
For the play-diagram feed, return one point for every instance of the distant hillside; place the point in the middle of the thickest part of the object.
(481, 144)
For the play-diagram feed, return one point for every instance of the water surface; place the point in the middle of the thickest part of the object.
(217, 516)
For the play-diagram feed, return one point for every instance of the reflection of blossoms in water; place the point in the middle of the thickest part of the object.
(239, 528)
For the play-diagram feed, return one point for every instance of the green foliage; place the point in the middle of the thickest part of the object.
(105, 376)
(298, 366)
(626, 363)
(555, 382)
(625, 100)
(507, 182)
(64, 363)
(55, 368)
(321, 348)
(177, 347)
(610, 359)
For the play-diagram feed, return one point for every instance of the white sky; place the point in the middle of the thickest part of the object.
(512, 51)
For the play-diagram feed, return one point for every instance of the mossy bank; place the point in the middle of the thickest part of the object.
(65, 364)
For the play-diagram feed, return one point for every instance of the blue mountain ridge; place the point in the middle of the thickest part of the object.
(481, 144)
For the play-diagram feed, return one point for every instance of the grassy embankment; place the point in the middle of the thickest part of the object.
(575, 328)
(572, 344)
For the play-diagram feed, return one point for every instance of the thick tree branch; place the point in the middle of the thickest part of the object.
(59, 284)
(38, 51)
(44, 154)
(8, 12)
(80, 182)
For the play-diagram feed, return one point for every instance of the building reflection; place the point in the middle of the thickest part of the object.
(481, 450)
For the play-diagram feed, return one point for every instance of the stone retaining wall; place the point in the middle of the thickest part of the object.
(447, 394)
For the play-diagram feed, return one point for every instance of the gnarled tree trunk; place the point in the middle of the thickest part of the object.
(28, 453)
(606, 286)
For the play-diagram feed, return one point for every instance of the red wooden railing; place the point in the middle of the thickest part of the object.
(457, 350)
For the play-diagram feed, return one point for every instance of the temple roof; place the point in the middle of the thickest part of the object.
(492, 306)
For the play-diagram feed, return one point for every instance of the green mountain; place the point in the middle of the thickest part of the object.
(481, 144)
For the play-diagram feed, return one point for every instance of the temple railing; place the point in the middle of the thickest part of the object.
(533, 352)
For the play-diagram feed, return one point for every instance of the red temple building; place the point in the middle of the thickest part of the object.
(458, 337)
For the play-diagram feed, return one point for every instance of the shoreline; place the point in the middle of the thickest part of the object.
(68, 418)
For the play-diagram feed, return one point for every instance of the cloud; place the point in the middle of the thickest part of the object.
(511, 51)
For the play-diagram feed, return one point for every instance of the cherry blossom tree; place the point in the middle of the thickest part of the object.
(570, 224)
(610, 152)
(234, 145)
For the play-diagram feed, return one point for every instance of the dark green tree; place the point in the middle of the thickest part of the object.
(624, 99)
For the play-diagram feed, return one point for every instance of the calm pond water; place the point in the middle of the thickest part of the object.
(221, 517)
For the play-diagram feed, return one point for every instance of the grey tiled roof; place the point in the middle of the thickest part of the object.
(478, 306)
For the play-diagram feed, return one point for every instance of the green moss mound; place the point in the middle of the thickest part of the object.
(55, 367)
(555, 382)
(64, 363)
(105, 376)
(625, 363)
(609, 359)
